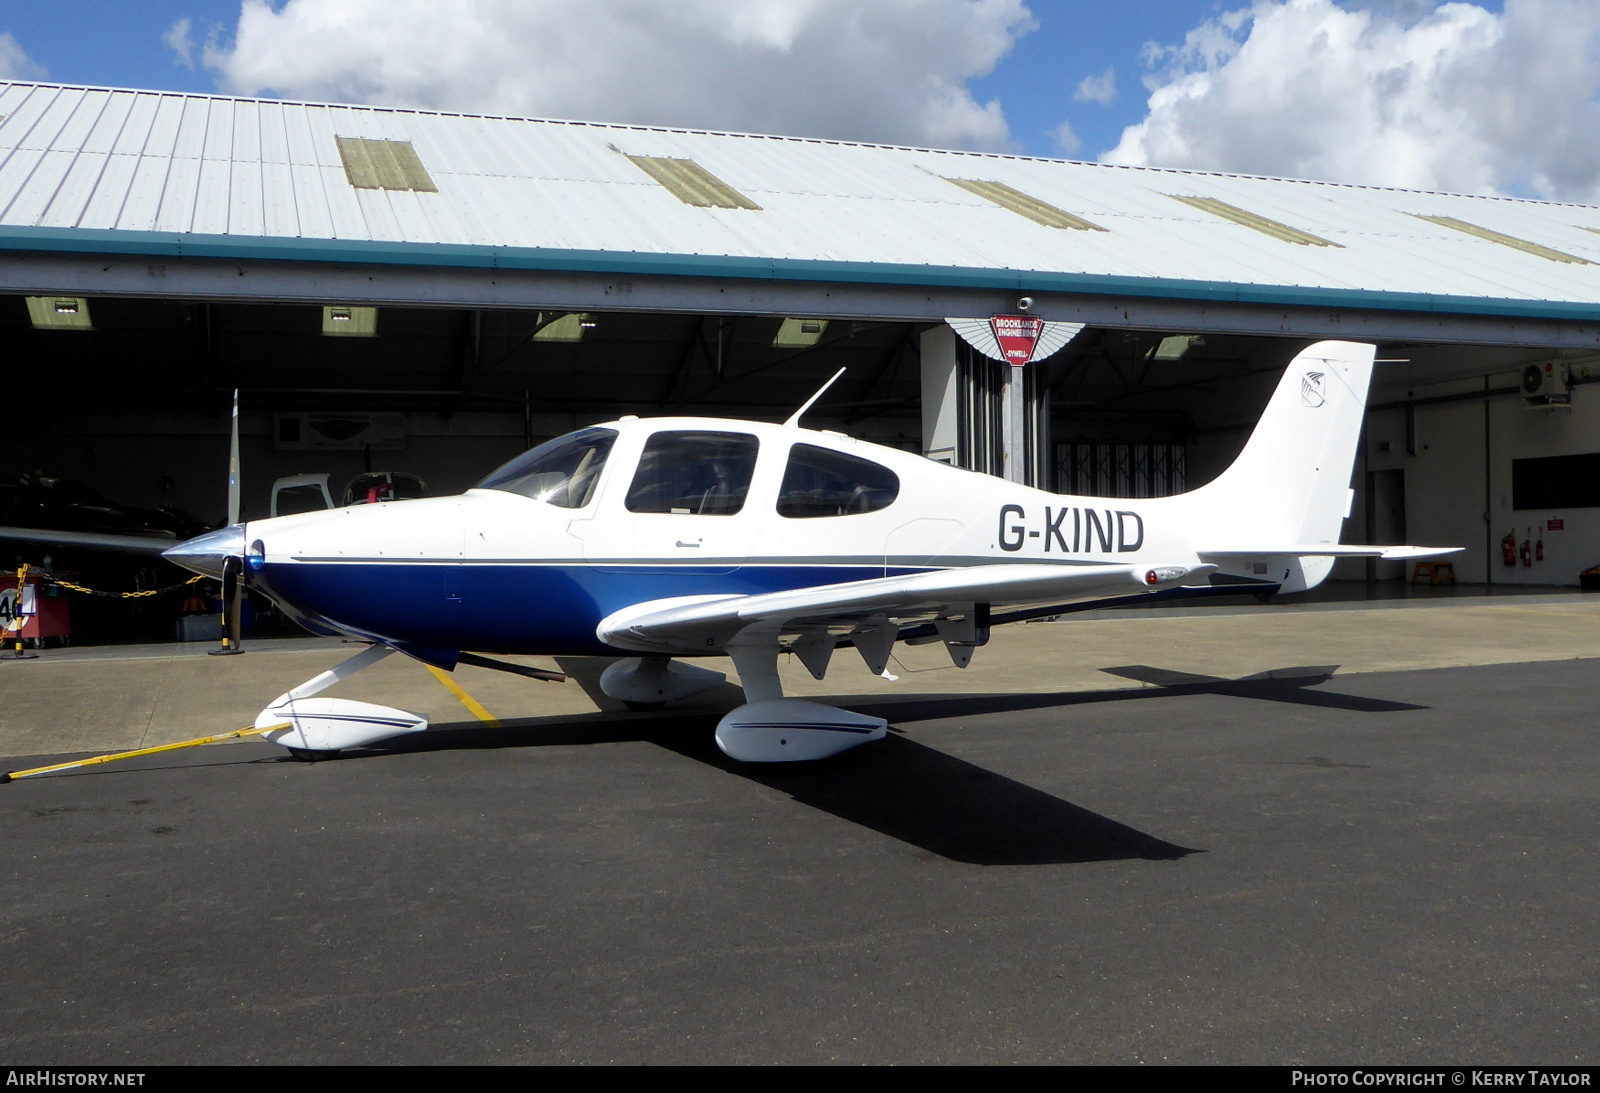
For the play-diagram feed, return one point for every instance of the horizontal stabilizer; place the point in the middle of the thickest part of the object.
(1329, 550)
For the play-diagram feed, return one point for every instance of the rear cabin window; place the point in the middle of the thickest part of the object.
(694, 473)
(562, 472)
(823, 482)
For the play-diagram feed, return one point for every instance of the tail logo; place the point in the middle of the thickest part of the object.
(1312, 391)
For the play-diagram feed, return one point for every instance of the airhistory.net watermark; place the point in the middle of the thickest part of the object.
(50, 1077)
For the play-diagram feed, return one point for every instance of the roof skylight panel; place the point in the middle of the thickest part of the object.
(692, 184)
(1492, 236)
(1254, 221)
(383, 165)
(1014, 200)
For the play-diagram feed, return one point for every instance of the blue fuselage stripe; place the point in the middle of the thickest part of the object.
(513, 608)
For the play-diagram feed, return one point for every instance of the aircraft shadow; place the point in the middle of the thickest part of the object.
(906, 790)
(1279, 685)
(943, 805)
(897, 787)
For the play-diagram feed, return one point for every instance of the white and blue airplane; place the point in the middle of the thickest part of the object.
(661, 540)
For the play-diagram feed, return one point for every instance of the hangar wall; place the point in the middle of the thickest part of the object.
(1444, 481)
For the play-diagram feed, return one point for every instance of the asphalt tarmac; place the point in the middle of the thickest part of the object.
(1384, 867)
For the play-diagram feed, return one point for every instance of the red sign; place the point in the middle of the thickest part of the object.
(1017, 335)
(1556, 525)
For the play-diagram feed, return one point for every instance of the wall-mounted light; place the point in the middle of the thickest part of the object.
(59, 312)
(799, 333)
(340, 320)
(1174, 346)
(564, 328)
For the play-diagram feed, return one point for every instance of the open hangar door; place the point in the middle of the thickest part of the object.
(131, 397)
(1481, 447)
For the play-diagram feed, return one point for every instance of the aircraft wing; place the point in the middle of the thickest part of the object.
(697, 623)
(1328, 550)
(130, 544)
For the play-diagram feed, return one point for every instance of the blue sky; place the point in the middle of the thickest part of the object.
(120, 44)
(1475, 96)
(1077, 40)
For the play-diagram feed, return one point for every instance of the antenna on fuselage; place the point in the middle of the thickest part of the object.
(794, 418)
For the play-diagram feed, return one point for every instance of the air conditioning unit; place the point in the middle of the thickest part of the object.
(1545, 385)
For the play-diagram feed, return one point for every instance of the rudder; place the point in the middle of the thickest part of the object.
(1291, 483)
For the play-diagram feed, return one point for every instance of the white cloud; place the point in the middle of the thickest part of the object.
(15, 64)
(891, 70)
(1065, 138)
(1394, 92)
(1101, 89)
(179, 39)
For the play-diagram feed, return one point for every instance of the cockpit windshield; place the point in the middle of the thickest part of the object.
(561, 472)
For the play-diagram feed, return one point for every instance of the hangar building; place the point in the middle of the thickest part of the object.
(431, 293)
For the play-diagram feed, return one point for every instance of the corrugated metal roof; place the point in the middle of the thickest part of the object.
(85, 165)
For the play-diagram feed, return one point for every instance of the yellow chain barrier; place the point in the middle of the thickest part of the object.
(72, 587)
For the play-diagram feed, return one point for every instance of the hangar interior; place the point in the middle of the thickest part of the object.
(135, 404)
(502, 281)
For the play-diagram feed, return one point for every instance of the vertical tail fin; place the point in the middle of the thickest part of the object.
(1291, 483)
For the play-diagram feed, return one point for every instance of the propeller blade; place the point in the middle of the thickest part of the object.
(233, 463)
(232, 606)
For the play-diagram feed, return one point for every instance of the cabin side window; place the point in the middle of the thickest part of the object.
(823, 482)
(562, 472)
(693, 472)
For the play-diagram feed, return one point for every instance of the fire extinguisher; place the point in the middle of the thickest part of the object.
(1538, 547)
(1508, 548)
(1527, 550)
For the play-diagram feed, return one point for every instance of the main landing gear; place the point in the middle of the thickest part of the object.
(767, 729)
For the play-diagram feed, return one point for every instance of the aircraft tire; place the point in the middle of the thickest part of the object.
(643, 705)
(306, 755)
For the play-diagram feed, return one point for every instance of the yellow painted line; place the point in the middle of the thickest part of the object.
(463, 697)
(12, 776)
